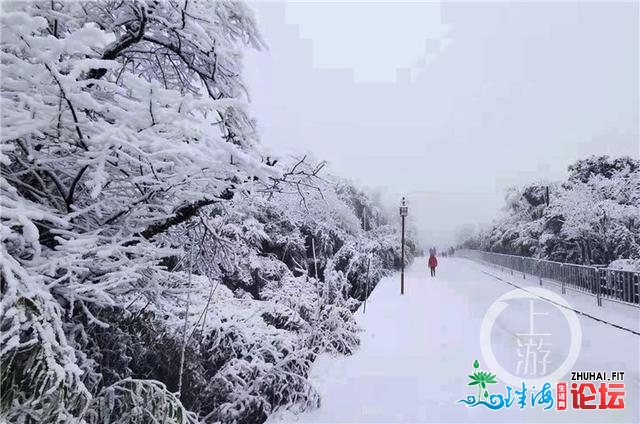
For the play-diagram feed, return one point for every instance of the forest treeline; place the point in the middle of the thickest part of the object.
(157, 265)
(591, 218)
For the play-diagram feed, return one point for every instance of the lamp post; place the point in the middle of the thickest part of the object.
(404, 211)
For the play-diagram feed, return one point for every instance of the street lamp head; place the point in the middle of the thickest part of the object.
(404, 209)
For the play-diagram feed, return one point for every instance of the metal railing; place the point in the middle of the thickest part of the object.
(601, 282)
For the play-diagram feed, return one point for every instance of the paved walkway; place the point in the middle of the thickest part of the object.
(418, 349)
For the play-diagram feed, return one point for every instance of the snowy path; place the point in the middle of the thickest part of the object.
(418, 349)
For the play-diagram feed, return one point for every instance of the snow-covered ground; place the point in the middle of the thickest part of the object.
(417, 352)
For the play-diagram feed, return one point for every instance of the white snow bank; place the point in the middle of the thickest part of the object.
(626, 264)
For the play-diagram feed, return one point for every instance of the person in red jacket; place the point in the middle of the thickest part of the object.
(433, 263)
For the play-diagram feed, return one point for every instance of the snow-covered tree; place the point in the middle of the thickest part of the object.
(120, 120)
(592, 218)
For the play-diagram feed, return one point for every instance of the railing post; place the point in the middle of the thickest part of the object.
(539, 272)
(598, 286)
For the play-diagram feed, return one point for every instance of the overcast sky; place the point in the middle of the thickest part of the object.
(448, 103)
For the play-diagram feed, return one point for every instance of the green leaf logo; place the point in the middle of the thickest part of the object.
(481, 379)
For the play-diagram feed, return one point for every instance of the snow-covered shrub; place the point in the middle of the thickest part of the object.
(132, 401)
(336, 331)
(625, 265)
(283, 317)
(254, 368)
(300, 294)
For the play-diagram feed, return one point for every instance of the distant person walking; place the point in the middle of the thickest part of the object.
(433, 263)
